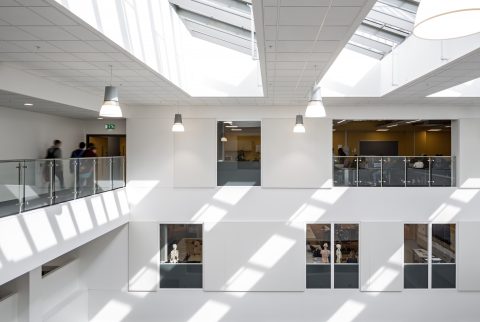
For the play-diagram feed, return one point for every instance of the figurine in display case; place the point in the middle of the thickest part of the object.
(174, 254)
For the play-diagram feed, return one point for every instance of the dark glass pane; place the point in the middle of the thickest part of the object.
(415, 276)
(181, 276)
(86, 176)
(369, 174)
(443, 243)
(345, 171)
(318, 276)
(393, 171)
(64, 185)
(418, 172)
(443, 275)
(346, 276)
(318, 243)
(346, 243)
(441, 171)
(416, 243)
(238, 153)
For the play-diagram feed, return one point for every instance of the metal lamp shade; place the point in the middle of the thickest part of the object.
(111, 106)
(315, 107)
(299, 127)
(178, 124)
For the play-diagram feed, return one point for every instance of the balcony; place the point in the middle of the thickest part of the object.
(394, 171)
(30, 184)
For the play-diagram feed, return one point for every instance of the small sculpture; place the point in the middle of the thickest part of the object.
(174, 254)
(338, 253)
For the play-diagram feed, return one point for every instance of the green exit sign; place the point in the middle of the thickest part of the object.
(110, 126)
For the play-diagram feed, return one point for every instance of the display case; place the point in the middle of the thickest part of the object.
(181, 248)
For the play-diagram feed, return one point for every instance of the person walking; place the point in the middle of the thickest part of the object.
(55, 152)
(77, 153)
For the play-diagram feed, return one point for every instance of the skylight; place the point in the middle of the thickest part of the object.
(223, 22)
(386, 26)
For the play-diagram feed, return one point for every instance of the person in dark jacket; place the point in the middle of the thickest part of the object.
(55, 152)
(77, 153)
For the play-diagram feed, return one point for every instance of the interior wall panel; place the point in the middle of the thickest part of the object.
(468, 263)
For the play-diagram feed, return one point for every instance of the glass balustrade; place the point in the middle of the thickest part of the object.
(32, 184)
(393, 171)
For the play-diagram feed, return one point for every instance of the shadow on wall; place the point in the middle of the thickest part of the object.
(32, 238)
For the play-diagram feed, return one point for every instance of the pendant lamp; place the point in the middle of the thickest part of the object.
(446, 19)
(111, 106)
(178, 124)
(299, 127)
(315, 106)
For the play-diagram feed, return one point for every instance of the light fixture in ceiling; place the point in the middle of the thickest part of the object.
(235, 129)
(223, 138)
(341, 121)
(28, 104)
(231, 126)
(392, 125)
(315, 106)
(446, 19)
(99, 118)
(299, 127)
(111, 106)
(412, 121)
(177, 123)
(434, 130)
(382, 130)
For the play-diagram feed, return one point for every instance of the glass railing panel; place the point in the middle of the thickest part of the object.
(65, 181)
(393, 171)
(11, 188)
(118, 172)
(39, 180)
(441, 171)
(103, 174)
(369, 171)
(418, 173)
(345, 171)
(86, 176)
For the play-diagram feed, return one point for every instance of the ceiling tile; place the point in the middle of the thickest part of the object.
(54, 16)
(20, 16)
(13, 33)
(301, 16)
(48, 33)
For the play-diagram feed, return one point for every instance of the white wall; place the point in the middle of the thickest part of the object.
(465, 139)
(293, 160)
(32, 238)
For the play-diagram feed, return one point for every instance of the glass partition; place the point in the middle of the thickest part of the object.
(238, 153)
(181, 256)
(345, 172)
(319, 257)
(416, 256)
(441, 171)
(31, 184)
(346, 256)
(393, 171)
(11, 188)
(369, 171)
(443, 256)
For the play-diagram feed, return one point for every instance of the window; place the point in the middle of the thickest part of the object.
(323, 257)
(418, 257)
(238, 153)
(181, 256)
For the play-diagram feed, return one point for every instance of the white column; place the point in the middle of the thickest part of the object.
(466, 149)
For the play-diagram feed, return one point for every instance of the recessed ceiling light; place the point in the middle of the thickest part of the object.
(434, 130)
(448, 126)
(341, 121)
(99, 118)
(236, 129)
(392, 125)
(28, 104)
(228, 122)
(231, 126)
(413, 121)
(382, 130)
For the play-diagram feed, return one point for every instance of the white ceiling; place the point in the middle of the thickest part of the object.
(295, 49)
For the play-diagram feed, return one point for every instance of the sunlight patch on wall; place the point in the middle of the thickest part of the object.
(123, 201)
(244, 279)
(65, 223)
(306, 213)
(99, 210)
(209, 213)
(464, 195)
(40, 230)
(471, 183)
(81, 215)
(110, 205)
(272, 251)
(445, 213)
(231, 195)
(113, 311)
(348, 312)
(212, 311)
(13, 242)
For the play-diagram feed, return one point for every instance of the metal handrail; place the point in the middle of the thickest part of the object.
(27, 190)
